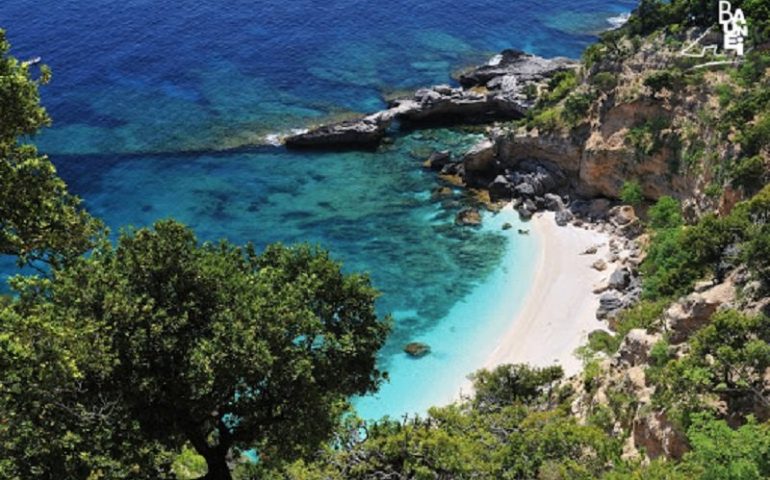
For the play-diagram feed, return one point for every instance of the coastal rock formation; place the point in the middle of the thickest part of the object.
(635, 348)
(692, 312)
(513, 66)
(468, 217)
(495, 91)
(438, 160)
(480, 164)
(364, 133)
(657, 436)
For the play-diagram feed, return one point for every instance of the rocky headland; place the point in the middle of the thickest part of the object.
(501, 89)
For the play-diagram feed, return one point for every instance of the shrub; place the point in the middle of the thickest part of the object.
(662, 80)
(604, 81)
(631, 193)
(749, 173)
(666, 213)
(576, 108)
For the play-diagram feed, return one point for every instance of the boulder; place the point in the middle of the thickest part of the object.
(553, 202)
(523, 67)
(599, 265)
(438, 160)
(500, 189)
(417, 349)
(620, 279)
(507, 226)
(609, 304)
(563, 217)
(635, 348)
(526, 209)
(622, 215)
(526, 190)
(470, 217)
(480, 164)
(692, 312)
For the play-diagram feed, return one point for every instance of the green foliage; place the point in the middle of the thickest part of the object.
(727, 361)
(719, 451)
(561, 85)
(211, 344)
(750, 173)
(508, 384)
(647, 138)
(666, 213)
(670, 268)
(576, 108)
(642, 315)
(631, 193)
(604, 81)
(547, 120)
(39, 219)
(662, 80)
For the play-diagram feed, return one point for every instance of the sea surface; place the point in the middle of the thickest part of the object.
(168, 108)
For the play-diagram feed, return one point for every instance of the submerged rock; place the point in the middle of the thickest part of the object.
(417, 349)
(438, 160)
(469, 217)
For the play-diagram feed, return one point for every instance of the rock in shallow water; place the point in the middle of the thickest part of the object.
(470, 217)
(417, 349)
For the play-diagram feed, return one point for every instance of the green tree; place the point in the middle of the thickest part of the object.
(218, 346)
(39, 219)
(508, 384)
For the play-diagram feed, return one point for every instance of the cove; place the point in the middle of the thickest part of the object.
(165, 109)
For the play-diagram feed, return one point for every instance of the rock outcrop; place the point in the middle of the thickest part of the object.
(494, 91)
(692, 312)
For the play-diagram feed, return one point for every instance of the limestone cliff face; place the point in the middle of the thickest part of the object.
(598, 158)
(665, 140)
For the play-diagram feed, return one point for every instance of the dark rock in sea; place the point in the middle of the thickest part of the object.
(505, 79)
(453, 168)
(417, 349)
(523, 67)
(563, 217)
(480, 164)
(500, 189)
(438, 160)
(364, 133)
(442, 193)
(469, 217)
(507, 226)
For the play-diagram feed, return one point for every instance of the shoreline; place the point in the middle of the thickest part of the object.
(559, 308)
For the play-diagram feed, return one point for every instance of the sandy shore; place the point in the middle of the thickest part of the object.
(560, 308)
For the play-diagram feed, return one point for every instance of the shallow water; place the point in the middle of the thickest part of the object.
(160, 108)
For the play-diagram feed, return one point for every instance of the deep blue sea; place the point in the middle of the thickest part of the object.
(165, 108)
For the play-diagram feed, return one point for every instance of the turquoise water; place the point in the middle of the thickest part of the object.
(163, 109)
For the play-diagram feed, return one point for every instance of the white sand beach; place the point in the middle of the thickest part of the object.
(560, 309)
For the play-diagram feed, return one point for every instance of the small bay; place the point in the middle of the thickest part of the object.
(166, 109)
